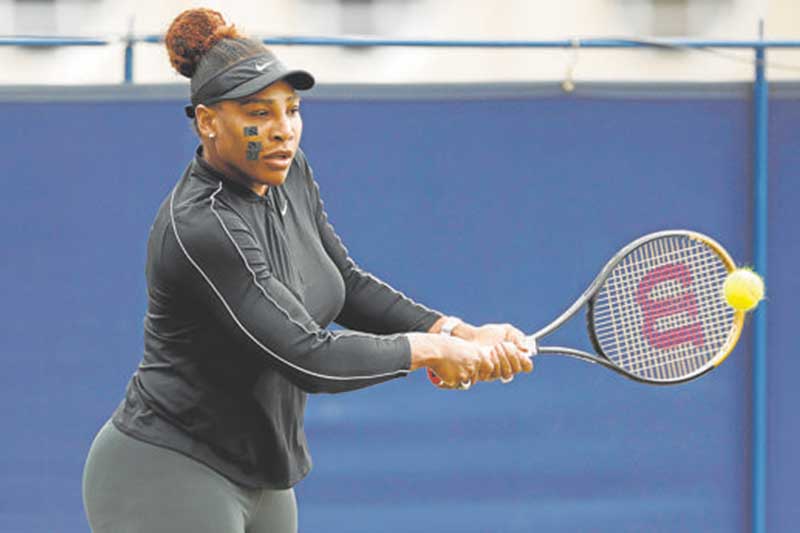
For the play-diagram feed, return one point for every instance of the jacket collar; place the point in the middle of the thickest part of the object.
(202, 169)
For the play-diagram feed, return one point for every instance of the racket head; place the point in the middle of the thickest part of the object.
(658, 312)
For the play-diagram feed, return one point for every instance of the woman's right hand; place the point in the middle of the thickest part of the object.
(459, 363)
(463, 363)
(454, 360)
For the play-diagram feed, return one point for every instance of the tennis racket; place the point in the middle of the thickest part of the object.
(656, 313)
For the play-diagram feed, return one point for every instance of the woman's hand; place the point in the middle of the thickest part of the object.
(508, 360)
(501, 361)
(457, 362)
(464, 364)
(491, 334)
(509, 348)
(460, 364)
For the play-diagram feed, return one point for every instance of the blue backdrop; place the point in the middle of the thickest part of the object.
(490, 209)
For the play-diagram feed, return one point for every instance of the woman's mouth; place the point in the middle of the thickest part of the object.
(278, 160)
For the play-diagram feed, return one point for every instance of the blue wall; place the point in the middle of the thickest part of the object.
(493, 210)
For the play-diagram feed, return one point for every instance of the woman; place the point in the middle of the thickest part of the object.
(244, 273)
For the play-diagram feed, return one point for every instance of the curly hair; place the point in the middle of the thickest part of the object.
(194, 33)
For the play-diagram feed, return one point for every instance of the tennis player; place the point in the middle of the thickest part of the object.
(244, 273)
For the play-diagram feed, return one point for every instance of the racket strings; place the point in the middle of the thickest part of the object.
(627, 330)
(669, 322)
(683, 360)
(660, 314)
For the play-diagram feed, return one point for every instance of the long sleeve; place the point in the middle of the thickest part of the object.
(225, 270)
(370, 304)
(240, 290)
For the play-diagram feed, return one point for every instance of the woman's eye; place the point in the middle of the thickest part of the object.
(261, 113)
(294, 110)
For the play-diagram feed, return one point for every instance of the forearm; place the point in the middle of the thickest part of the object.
(373, 306)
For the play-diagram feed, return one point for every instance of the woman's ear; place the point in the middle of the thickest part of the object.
(206, 118)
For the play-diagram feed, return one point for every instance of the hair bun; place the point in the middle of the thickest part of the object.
(193, 33)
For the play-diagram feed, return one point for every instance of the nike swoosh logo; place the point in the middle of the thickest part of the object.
(285, 207)
(261, 67)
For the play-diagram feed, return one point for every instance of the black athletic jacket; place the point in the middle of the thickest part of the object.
(240, 291)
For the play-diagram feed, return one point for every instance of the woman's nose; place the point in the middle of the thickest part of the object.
(282, 130)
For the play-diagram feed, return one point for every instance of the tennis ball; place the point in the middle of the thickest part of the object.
(743, 289)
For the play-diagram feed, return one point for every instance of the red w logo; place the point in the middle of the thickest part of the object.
(664, 307)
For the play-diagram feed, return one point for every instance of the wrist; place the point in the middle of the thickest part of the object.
(465, 331)
(426, 349)
(455, 327)
(448, 325)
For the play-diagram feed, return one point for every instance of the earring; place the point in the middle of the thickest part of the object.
(212, 135)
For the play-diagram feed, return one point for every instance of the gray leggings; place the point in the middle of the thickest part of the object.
(130, 486)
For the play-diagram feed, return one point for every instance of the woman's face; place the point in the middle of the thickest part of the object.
(256, 137)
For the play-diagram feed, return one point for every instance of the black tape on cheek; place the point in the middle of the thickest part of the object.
(251, 131)
(253, 150)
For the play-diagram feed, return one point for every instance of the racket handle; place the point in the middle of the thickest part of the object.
(533, 345)
(436, 380)
(433, 378)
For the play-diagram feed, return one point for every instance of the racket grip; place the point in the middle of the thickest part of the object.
(533, 345)
(433, 378)
(437, 381)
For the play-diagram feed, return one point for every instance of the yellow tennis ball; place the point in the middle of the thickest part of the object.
(743, 289)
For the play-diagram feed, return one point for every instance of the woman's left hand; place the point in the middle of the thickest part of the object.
(498, 336)
(493, 334)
